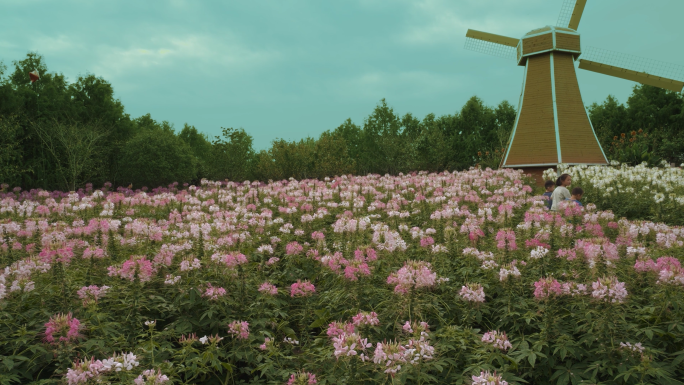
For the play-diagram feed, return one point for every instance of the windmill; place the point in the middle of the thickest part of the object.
(552, 125)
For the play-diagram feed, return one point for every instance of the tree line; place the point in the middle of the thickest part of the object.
(60, 135)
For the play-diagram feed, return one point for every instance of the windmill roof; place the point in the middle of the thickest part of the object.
(548, 28)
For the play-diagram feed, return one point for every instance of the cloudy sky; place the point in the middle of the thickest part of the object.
(292, 68)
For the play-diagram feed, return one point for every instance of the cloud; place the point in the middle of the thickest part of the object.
(205, 53)
(54, 44)
(374, 85)
(441, 21)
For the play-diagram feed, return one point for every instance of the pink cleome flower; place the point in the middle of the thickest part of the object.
(90, 294)
(136, 266)
(293, 248)
(240, 329)
(268, 288)
(487, 378)
(62, 329)
(497, 339)
(609, 290)
(413, 275)
(213, 293)
(547, 287)
(302, 378)
(302, 289)
(426, 241)
(366, 318)
(338, 328)
(472, 292)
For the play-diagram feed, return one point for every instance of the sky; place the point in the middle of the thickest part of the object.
(295, 68)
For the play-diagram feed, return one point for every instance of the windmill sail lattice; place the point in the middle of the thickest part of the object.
(566, 13)
(489, 48)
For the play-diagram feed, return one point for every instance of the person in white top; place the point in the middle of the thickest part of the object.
(561, 192)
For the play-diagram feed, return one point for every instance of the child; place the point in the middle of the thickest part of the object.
(550, 186)
(561, 192)
(577, 193)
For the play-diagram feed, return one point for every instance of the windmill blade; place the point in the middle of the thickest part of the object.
(646, 71)
(571, 13)
(491, 44)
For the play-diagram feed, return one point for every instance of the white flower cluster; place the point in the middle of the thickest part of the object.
(660, 185)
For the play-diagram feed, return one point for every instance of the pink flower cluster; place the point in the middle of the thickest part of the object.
(338, 328)
(293, 248)
(669, 269)
(213, 293)
(190, 264)
(231, 260)
(366, 318)
(547, 287)
(91, 371)
(267, 342)
(573, 288)
(136, 266)
(302, 378)
(302, 289)
(62, 328)
(413, 275)
(350, 344)
(426, 241)
(609, 290)
(240, 329)
(497, 339)
(151, 377)
(506, 238)
(268, 288)
(472, 292)
(392, 355)
(353, 268)
(84, 371)
(487, 378)
(91, 294)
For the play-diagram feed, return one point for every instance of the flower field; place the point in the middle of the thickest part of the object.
(635, 192)
(462, 278)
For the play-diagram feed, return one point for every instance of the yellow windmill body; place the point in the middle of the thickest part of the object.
(552, 125)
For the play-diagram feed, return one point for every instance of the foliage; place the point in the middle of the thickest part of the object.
(633, 149)
(656, 111)
(231, 156)
(157, 157)
(10, 150)
(418, 278)
(76, 149)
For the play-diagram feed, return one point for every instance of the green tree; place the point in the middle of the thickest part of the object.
(11, 156)
(331, 156)
(294, 159)
(430, 148)
(75, 149)
(200, 145)
(382, 148)
(232, 156)
(155, 158)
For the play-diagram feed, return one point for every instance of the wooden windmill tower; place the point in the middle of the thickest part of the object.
(552, 125)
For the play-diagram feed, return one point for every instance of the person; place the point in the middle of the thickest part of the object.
(577, 193)
(561, 192)
(550, 186)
